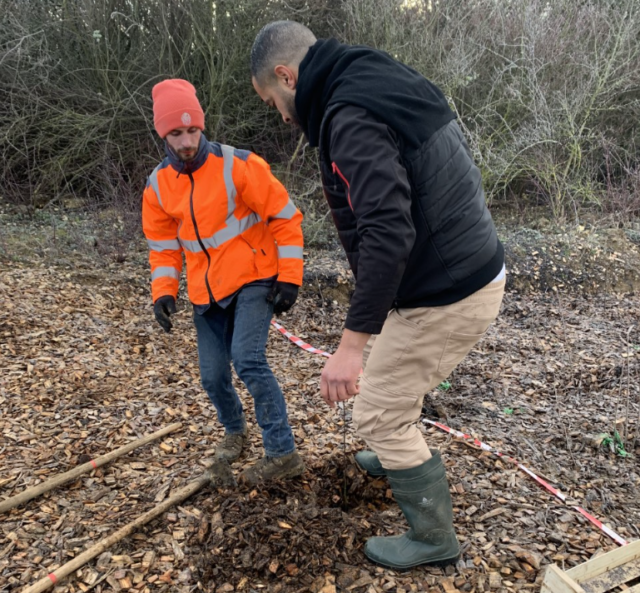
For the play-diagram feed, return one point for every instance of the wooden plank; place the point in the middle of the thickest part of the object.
(612, 578)
(556, 581)
(597, 566)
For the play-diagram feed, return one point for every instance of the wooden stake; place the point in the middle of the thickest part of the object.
(97, 549)
(30, 493)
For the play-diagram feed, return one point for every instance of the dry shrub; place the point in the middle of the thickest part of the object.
(547, 92)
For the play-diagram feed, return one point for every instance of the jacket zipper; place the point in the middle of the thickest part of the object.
(195, 227)
(336, 170)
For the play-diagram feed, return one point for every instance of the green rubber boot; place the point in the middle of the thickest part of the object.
(423, 496)
(370, 463)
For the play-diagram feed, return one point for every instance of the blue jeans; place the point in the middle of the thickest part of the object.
(238, 334)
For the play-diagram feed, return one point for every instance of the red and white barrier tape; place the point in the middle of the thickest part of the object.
(607, 530)
(612, 534)
(298, 342)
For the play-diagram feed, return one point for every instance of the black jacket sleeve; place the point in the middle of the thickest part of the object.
(365, 156)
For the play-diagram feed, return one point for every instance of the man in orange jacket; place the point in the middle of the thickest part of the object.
(242, 242)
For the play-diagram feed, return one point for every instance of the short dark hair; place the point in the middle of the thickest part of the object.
(279, 42)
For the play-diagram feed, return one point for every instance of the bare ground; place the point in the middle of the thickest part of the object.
(85, 370)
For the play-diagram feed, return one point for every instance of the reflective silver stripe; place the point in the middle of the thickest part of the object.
(191, 246)
(165, 272)
(227, 172)
(167, 245)
(287, 213)
(234, 228)
(153, 181)
(289, 251)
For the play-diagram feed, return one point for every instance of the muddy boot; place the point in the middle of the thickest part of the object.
(369, 462)
(231, 446)
(423, 496)
(273, 468)
(220, 474)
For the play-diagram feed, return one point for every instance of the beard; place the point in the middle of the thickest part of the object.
(290, 103)
(187, 154)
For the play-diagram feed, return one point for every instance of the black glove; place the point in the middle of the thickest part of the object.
(282, 295)
(162, 308)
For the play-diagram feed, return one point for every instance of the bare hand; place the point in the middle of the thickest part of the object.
(339, 379)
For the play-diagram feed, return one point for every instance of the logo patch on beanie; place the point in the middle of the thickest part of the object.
(185, 118)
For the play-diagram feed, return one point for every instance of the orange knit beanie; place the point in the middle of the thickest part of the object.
(175, 105)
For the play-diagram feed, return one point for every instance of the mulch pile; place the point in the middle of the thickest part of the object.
(85, 370)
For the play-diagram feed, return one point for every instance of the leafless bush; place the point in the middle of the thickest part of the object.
(546, 92)
(538, 85)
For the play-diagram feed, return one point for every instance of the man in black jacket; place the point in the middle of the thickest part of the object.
(407, 200)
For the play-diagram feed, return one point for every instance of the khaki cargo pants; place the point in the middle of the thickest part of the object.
(415, 351)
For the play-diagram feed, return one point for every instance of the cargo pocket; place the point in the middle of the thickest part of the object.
(391, 378)
(456, 347)
(386, 365)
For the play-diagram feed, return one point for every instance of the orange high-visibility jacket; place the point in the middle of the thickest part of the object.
(230, 216)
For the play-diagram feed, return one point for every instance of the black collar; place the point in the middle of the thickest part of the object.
(193, 165)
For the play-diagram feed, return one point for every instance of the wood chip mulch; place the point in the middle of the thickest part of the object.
(85, 370)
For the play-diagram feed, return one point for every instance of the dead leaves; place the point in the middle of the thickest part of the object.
(98, 373)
